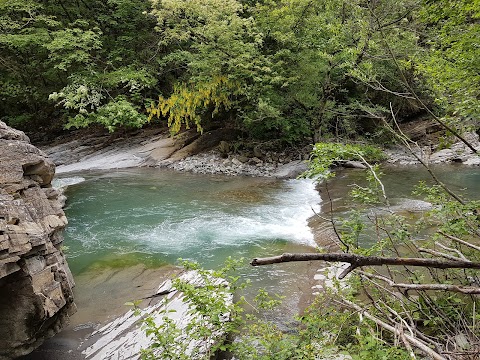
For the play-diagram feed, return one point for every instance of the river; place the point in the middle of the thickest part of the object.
(128, 228)
(156, 217)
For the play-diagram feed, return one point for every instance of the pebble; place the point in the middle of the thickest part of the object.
(212, 163)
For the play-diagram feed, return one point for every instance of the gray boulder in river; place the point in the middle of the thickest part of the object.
(36, 297)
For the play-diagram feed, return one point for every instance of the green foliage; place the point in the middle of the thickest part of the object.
(55, 50)
(449, 215)
(278, 69)
(324, 155)
(294, 66)
(167, 339)
(372, 193)
(219, 51)
(118, 112)
(322, 330)
(210, 311)
(450, 63)
(73, 46)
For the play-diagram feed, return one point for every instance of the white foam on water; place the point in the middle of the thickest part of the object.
(285, 218)
(192, 225)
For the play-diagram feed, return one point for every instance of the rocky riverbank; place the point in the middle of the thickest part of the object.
(35, 282)
(211, 153)
(456, 153)
(220, 152)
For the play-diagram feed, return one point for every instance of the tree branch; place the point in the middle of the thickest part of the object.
(406, 141)
(377, 179)
(458, 252)
(442, 287)
(412, 340)
(439, 254)
(356, 261)
(463, 242)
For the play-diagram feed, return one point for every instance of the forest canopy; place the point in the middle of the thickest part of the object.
(285, 69)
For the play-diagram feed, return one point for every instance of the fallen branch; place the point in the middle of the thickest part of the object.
(463, 242)
(412, 340)
(356, 261)
(442, 287)
(439, 254)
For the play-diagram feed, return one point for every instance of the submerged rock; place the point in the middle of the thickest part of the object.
(35, 281)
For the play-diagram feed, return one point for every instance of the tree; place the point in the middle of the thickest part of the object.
(450, 61)
(289, 68)
(113, 43)
(24, 81)
(91, 58)
(422, 308)
(217, 50)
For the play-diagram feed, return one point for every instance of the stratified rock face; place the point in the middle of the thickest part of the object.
(36, 296)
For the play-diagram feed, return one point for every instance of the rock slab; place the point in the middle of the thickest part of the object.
(125, 337)
(35, 281)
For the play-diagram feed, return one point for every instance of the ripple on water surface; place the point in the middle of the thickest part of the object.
(161, 216)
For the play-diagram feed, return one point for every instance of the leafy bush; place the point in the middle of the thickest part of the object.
(115, 114)
(324, 155)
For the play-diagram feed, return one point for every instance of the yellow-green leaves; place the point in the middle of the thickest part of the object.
(187, 102)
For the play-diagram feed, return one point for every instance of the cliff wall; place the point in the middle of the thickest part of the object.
(36, 297)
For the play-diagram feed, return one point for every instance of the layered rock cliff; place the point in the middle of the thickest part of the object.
(36, 296)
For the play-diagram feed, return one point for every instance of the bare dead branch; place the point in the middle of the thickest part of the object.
(458, 252)
(469, 290)
(412, 340)
(440, 254)
(460, 241)
(407, 344)
(377, 179)
(334, 225)
(356, 261)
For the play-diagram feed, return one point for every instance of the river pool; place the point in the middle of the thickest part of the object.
(128, 228)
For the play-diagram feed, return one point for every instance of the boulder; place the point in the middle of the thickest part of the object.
(207, 141)
(354, 164)
(291, 170)
(35, 281)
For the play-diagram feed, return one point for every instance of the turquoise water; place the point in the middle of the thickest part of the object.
(400, 181)
(155, 217)
(125, 225)
(463, 180)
